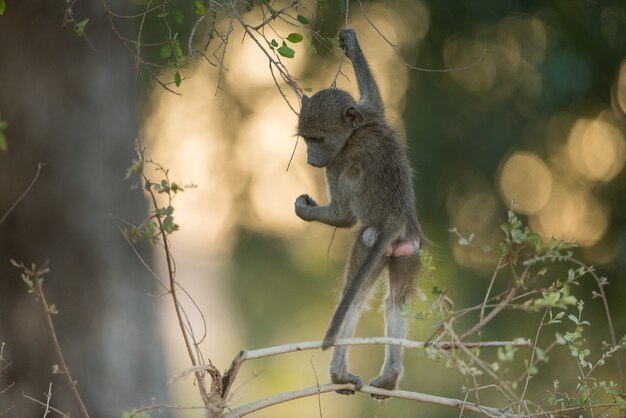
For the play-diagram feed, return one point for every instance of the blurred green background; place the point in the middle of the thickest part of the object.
(537, 115)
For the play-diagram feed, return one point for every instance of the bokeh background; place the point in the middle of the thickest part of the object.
(538, 116)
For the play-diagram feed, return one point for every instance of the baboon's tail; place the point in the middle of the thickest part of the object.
(353, 286)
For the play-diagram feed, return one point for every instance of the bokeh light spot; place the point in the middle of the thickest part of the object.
(574, 213)
(527, 179)
(596, 148)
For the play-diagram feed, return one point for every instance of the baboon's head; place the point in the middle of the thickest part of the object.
(327, 120)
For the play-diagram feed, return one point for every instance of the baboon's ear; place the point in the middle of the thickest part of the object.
(304, 99)
(353, 117)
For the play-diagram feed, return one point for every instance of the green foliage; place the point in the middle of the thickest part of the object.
(79, 28)
(3, 7)
(537, 287)
(4, 145)
(294, 38)
(285, 51)
(303, 20)
(200, 7)
(160, 223)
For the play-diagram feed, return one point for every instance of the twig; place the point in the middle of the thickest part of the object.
(295, 146)
(517, 283)
(163, 406)
(532, 356)
(48, 397)
(609, 319)
(330, 387)
(37, 401)
(24, 193)
(396, 49)
(317, 383)
(493, 279)
(172, 289)
(33, 277)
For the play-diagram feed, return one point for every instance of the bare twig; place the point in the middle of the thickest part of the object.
(24, 193)
(33, 277)
(159, 407)
(493, 279)
(45, 405)
(532, 356)
(517, 284)
(295, 146)
(396, 49)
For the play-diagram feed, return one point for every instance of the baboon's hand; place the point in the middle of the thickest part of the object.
(303, 204)
(348, 42)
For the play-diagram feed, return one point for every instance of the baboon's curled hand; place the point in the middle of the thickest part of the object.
(305, 200)
(303, 204)
(348, 42)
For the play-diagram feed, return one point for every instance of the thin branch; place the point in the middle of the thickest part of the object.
(24, 193)
(517, 284)
(609, 319)
(403, 394)
(37, 401)
(231, 373)
(396, 49)
(179, 315)
(163, 406)
(532, 356)
(33, 277)
(493, 279)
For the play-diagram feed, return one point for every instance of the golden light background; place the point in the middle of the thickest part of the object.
(236, 145)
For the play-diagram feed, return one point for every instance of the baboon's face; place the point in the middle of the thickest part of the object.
(326, 122)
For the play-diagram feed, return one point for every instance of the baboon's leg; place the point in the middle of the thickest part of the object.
(339, 363)
(402, 271)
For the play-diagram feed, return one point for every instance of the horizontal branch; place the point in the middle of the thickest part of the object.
(231, 373)
(441, 345)
(331, 387)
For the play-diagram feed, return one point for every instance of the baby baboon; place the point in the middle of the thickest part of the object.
(370, 181)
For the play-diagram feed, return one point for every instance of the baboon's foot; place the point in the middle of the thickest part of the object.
(345, 377)
(387, 380)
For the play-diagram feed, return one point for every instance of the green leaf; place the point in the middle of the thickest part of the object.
(300, 18)
(274, 43)
(3, 7)
(200, 7)
(177, 49)
(250, 4)
(166, 51)
(179, 17)
(308, 89)
(486, 248)
(4, 146)
(285, 51)
(294, 38)
(79, 29)
(177, 79)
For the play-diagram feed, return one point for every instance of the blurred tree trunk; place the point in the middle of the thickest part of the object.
(75, 110)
